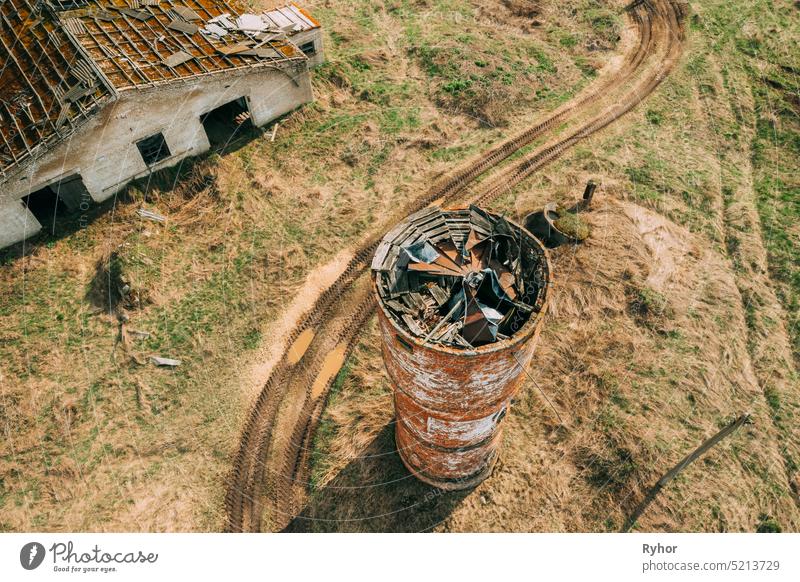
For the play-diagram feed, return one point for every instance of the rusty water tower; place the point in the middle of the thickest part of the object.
(462, 295)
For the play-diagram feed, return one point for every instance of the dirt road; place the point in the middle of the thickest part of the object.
(270, 471)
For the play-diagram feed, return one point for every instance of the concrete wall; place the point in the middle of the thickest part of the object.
(16, 223)
(315, 36)
(104, 153)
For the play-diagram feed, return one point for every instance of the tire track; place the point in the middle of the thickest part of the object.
(282, 421)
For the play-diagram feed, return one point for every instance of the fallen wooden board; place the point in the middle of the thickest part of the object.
(185, 27)
(177, 58)
(168, 362)
(233, 48)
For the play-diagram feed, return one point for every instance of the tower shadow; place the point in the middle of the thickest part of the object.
(376, 493)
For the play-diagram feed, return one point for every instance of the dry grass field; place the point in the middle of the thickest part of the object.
(679, 313)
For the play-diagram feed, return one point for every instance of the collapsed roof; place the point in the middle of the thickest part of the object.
(62, 60)
(460, 278)
(47, 87)
(147, 42)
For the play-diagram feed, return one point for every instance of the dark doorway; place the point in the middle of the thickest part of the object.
(228, 124)
(46, 206)
(64, 198)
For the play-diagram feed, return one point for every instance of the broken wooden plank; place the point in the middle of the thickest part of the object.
(263, 53)
(182, 26)
(77, 92)
(440, 295)
(233, 48)
(168, 362)
(63, 115)
(413, 325)
(74, 26)
(177, 58)
(135, 14)
(150, 215)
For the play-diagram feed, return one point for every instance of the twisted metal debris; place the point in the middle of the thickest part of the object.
(462, 278)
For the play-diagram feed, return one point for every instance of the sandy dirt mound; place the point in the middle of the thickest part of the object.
(666, 243)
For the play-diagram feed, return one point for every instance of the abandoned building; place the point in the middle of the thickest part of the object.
(462, 295)
(97, 93)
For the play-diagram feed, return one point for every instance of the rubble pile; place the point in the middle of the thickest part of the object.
(460, 278)
(263, 27)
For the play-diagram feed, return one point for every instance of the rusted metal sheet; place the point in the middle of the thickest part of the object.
(450, 400)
